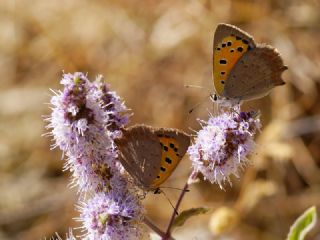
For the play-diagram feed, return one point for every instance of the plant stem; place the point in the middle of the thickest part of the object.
(154, 227)
(168, 232)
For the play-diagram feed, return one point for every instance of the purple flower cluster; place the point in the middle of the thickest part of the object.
(86, 118)
(222, 145)
(81, 121)
(113, 216)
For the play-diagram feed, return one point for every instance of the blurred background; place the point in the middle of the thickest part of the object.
(148, 50)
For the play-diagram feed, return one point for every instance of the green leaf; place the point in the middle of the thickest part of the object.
(186, 214)
(303, 224)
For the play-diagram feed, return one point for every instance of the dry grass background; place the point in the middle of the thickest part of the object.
(148, 50)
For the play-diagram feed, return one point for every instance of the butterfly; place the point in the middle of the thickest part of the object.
(150, 154)
(242, 68)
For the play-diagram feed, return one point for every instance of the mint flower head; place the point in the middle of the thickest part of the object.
(85, 118)
(113, 215)
(222, 145)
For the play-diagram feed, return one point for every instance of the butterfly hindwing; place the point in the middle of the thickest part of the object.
(140, 153)
(255, 74)
(150, 154)
(230, 43)
(174, 144)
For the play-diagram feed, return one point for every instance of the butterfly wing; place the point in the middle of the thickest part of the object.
(150, 155)
(255, 74)
(140, 154)
(174, 144)
(230, 43)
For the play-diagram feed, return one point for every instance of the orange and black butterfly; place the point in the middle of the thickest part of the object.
(242, 68)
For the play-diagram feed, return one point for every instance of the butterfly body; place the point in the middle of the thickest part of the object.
(150, 155)
(243, 69)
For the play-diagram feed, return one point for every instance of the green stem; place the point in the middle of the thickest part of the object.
(173, 216)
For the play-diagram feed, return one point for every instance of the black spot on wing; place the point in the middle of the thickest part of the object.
(168, 160)
(240, 49)
(245, 41)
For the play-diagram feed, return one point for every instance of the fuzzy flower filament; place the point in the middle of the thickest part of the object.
(222, 145)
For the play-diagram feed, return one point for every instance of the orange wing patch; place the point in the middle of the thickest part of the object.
(169, 159)
(226, 54)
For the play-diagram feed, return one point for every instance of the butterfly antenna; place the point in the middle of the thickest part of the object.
(199, 103)
(175, 210)
(196, 86)
(185, 190)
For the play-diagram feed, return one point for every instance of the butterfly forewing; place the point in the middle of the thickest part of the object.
(174, 145)
(255, 74)
(230, 43)
(150, 154)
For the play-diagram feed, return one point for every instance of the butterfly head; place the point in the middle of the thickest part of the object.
(223, 101)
